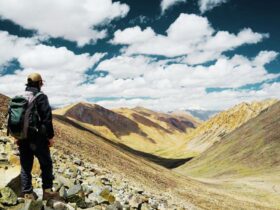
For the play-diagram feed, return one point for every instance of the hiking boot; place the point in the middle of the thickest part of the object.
(48, 194)
(30, 196)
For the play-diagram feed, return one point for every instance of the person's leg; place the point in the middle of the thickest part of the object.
(46, 165)
(44, 157)
(26, 162)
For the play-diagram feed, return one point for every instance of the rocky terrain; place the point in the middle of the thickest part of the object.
(3, 108)
(82, 185)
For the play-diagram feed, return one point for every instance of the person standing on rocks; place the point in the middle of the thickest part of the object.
(38, 142)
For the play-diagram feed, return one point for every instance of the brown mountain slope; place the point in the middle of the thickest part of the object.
(138, 128)
(246, 161)
(211, 131)
(252, 148)
(99, 116)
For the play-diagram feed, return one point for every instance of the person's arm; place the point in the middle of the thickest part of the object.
(45, 113)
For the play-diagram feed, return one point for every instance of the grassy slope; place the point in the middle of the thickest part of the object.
(252, 148)
(247, 159)
(211, 131)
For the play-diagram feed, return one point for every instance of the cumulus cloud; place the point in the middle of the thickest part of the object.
(13, 46)
(133, 35)
(177, 86)
(63, 71)
(199, 99)
(138, 80)
(72, 20)
(166, 4)
(190, 35)
(206, 5)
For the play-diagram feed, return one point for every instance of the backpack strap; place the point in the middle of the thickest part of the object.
(27, 113)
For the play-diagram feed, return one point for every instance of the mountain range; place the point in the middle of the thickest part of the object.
(230, 161)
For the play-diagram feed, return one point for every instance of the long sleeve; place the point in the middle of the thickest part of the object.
(45, 113)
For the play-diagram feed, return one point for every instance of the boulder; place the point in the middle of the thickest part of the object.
(115, 206)
(33, 205)
(76, 195)
(76, 189)
(106, 194)
(8, 197)
(64, 181)
(4, 159)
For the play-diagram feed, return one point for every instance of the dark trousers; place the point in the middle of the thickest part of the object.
(37, 147)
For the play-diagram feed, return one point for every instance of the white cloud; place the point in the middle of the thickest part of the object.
(166, 4)
(199, 100)
(265, 57)
(13, 46)
(133, 35)
(71, 19)
(62, 70)
(190, 35)
(177, 86)
(206, 5)
(127, 67)
(151, 83)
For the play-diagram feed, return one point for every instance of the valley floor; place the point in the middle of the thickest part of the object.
(264, 190)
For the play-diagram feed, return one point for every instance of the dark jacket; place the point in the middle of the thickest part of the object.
(44, 111)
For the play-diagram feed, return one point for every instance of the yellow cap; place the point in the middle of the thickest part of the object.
(35, 77)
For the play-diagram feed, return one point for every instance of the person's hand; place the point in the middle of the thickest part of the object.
(51, 142)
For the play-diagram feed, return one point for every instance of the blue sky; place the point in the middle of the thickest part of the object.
(161, 54)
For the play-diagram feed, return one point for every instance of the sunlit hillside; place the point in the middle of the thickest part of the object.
(211, 131)
(138, 128)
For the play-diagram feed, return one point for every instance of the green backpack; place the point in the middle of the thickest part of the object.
(23, 116)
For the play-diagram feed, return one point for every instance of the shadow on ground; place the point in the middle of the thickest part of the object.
(165, 162)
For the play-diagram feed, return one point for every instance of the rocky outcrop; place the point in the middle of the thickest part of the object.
(4, 100)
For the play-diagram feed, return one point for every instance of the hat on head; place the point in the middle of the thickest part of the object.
(34, 77)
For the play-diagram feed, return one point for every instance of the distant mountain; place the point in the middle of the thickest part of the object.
(212, 130)
(249, 150)
(138, 128)
(202, 114)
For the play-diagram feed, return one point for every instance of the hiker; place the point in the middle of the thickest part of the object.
(37, 142)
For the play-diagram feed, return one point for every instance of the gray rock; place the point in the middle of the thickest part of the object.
(8, 197)
(136, 200)
(78, 162)
(106, 194)
(64, 181)
(87, 189)
(10, 177)
(62, 192)
(115, 206)
(74, 190)
(145, 206)
(33, 205)
(4, 159)
(4, 140)
(39, 193)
